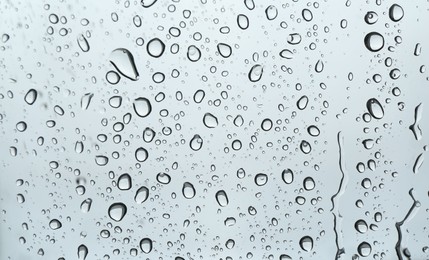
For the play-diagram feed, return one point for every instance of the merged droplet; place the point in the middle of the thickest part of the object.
(123, 61)
(117, 211)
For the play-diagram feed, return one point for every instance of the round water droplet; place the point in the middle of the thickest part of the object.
(55, 224)
(266, 124)
(309, 183)
(142, 194)
(194, 54)
(222, 198)
(374, 41)
(255, 73)
(141, 154)
(123, 61)
(155, 48)
(374, 108)
(31, 96)
(224, 50)
(124, 182)
(146, 245)
(188, 190)
(117, 211)
(306, 243)
(142, 107)
(230, 243)
(210, 120)
(371, 17)
(361, 226)
(287, 176)
(261, 179)
(396, 13)
(196, 142)
(21, 126)
(364, 249)
(113, 77)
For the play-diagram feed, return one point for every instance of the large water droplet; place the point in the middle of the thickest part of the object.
(123, 61)
(222, 198)
(142, 107)
(210, 120)
(31, 96)
(155, 48)
(117, 211)
(261, 179)
(371, 17)
(306, 243)
(374, 41)
(374, 108)
(396, 13)
(188, 190)
(146, 245)
(364, 249)
(124, 182)
(82, 252)
(287, 176)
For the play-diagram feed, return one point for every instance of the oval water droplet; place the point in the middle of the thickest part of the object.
(255, 73)
(142, 106)
(309, 184)
(147, 3)
(319, 66)
(302, 103)
(361, 226)
(142, 194)
(261, 179)
(101, 160)
(31, 96)
(194, 54)
(222, 198)
(286, 54)
(396, 12)
(146, 245)
(364, 249)
(83, 43)
(271, 12)
(117, 211)
(155, 48)
(374, 108)
(294, 38)
(374, 41)
(55, 224)
(163, 178)
(305, 147)
(82, 252)
(188, 190)
(287, 176)
(313, 130)
(123, 61)
(242, 21)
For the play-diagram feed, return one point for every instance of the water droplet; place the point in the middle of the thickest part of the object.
(361, 226)
(123, 61)
(371, 17)
(305, 147)
(83, 43)
(163, 178)
(319, 66)
(313, 130)
(224, 50)
(141, 154)
(199, 96)
(85, 206)
(396, 13)
(302, 103)
(142, 107)
(113, 77)
(222, 198)
(255, 73)
(117, 211)
(287, 176)
(196, 142)
(142, 194)
(210, 120)
(146, 245)
(374, 41)
(124, 182)
(101, 160)
(374, 108)
(147, 3)
(31, 96)
(294, 38)
(266, 124)
(271, 12)
(309, 183)
(306, 243)
(307, 15)
(230, 243)
(242, 21)
(364, 249)
(5, 37)
(86, 100)
(115, 101)
(82, 252)
(194, 54)
(261, 179)
(286, 54)
(55, 224)
(188, 190)
(155, 48)
(21, 126)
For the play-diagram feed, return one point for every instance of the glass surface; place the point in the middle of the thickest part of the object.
(214, 129)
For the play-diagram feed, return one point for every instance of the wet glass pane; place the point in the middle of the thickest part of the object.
(214, 129)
